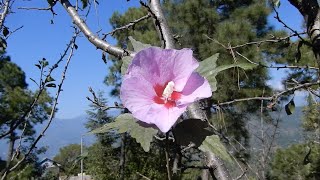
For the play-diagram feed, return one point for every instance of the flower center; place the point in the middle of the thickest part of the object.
(166, 95)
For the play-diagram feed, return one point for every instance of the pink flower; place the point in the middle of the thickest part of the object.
(160, 84)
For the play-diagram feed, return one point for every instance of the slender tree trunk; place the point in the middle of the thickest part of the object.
(12, 140)
(122, 156)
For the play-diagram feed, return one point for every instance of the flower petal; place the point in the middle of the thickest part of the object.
(164, 65)
(137, 95)
(163, 117)
(197, 87)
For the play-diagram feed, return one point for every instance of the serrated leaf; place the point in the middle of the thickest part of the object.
(5, 31)
(127, 123)
(191, 131)
(290, 107)
(206, 69)
(51, 85)
(125, 64)
(209, 69)
(214, 145)
(137, 45)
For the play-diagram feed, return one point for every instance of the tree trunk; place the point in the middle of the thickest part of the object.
(12, 139)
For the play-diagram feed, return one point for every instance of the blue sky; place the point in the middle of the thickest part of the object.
(39, 39)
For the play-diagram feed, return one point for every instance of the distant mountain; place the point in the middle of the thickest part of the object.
(289, 129)
(60, 133)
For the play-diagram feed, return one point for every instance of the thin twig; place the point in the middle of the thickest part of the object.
(167, 156)
(270, 98)
(129, 25)
(143, 176)
(53, 110)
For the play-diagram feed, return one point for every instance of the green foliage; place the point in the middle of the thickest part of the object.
(208, 68)
(67, 157)
(311, 118)
(102, 162)
(126, 123)
(300, 161)
(97, 118)
(150, 164)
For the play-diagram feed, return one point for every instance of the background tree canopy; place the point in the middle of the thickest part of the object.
(232, 135)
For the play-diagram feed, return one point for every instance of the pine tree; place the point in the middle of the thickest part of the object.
(15, 100)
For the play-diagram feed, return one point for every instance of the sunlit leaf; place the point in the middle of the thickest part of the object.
(125, 64)
(214, 145)
(206, 69)
(137, 45)
(209, 69)
(49, 79)
(127, 123)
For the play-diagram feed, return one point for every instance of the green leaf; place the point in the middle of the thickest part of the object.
(84, 3)
(137, 45)
(206, 69)
(51, 2)
(38, 66)
(127, 123)
(277, 3)
(290, 107)
(51, 85)
(125, 64)
(209, 69)
(191, 131)
(5, 31)
(44, 62)
(49, 79)
(214, 145)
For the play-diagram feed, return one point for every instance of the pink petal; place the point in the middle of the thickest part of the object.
(166, 65)
(163, 117)
(197, 87)
(137, 94)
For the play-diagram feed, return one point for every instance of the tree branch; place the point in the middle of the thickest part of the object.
(131, 24)
(160, 23)
(3, 15)
(95, 40)
(53, 110)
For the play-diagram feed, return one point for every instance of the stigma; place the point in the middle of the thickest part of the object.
(168, 90)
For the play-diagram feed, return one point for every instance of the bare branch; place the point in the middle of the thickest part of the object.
(161, 23)
(131, 24)
(273, 98)
(53, 110)
(95, 40)
(3, 15)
